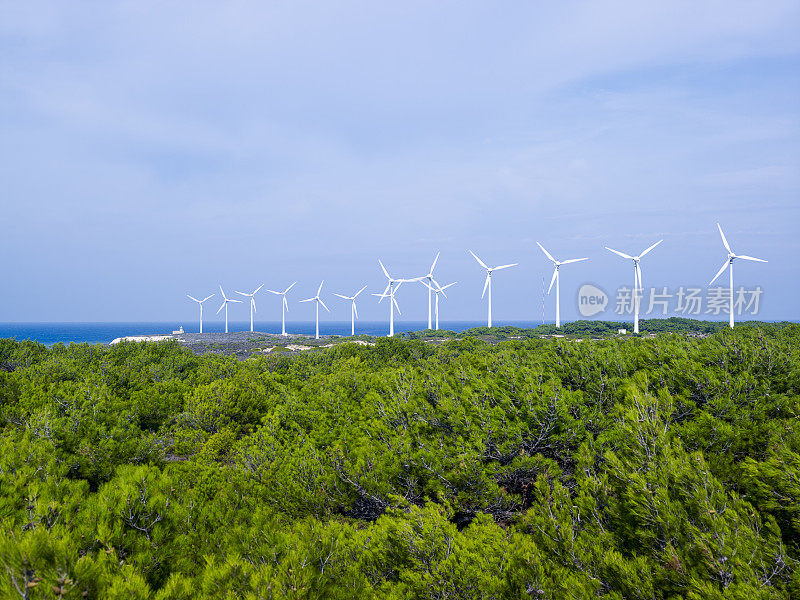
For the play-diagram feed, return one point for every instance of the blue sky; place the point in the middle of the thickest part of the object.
(152, 149)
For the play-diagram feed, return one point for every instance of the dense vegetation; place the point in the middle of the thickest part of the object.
(621, 468)
(590, 328)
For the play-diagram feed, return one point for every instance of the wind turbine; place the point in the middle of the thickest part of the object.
(252, 303)
(353, 311)
(637, 280)
(432, 286)
(200, 302)
(391, 288)
(729, 265)
(319, 301)
(557, 279)
(488, 282)
(284, 306)
(225, 302)
(437, 292)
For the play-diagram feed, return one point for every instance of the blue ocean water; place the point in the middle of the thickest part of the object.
(103, 333)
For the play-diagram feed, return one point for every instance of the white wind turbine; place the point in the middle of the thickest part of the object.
(353, 311)
(432, 286)
(488, 282)
(284, 306)
(728, 264)
(637, 280)
(557, 279)
(225, 302)
(437, 292)
(318, 301)
(252, 303)
(200, 302)
(391, 288)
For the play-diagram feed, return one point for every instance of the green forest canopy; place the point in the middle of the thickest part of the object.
(536, 468)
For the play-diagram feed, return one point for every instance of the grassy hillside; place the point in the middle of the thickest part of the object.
(664, 467)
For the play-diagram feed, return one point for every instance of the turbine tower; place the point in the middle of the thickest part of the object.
(200, 302)
(437, 292)
(637, 280)
(432, 286)
(318, 301)
(391, 288)
(728, 264)
(353, 311)
(488, 282)
(392, 305)
(225, 302)
(557, 279)
(252, 303)
(284, 306)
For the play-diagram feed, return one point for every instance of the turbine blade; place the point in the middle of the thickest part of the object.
(290, 287)
(480, 262)
(355, 310)
(341, 296)
(285, 303)
(724, 241)
(396, 305)
(546, 252)
(639, 276)
(433, 266)
(221, 307)
(273, 292)
(223, 292)
(485, 285)
(552, 280)
(448, 285)
(193, 298)
(234, 300)
(206, 298)
(622, 254)
(323, 304)
(505, 266)
(650, 248)
(253, 304)
(242, 293)
(385, 272)
(257, 290)
(572, 260)
(722, 268)
(358, 292)
(308, 300)
(319, 289)
(750, 258)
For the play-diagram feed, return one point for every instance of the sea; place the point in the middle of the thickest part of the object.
(103, 333)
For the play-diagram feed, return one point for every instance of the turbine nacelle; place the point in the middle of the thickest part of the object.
(200, 302)
(731, 257)
(283, 293)
(226, 300)
(393, 300)
(317, 298)
(557, 265)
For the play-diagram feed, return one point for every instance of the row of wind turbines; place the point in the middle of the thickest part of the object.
(392, 286)
(435, 290)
